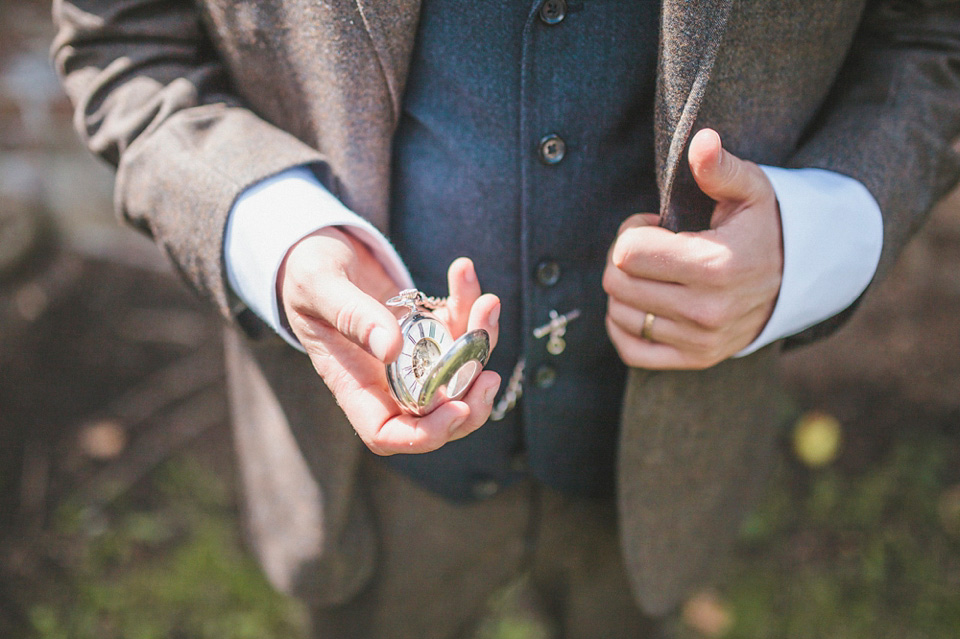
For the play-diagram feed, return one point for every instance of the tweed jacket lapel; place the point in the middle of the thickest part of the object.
(691, 35)
(392, 27)
(685, 444)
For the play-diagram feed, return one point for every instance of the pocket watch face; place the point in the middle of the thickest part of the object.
(432, 367)
(425, 340)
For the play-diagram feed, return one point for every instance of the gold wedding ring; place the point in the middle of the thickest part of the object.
(648, 321)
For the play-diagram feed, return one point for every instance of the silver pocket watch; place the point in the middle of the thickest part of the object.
(432, 368)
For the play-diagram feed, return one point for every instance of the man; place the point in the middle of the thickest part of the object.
(525, 138)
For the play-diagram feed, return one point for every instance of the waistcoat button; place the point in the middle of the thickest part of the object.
(552, 149)
(548, 273)
(545, 377)
(484, 488)
(553, 11)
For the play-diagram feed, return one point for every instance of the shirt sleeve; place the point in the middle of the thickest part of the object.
(832, 237)
(273, 215)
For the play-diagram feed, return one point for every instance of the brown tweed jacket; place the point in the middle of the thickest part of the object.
(195, 100)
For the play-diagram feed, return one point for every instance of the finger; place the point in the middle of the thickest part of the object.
(320, 277)
(696, 313)
(656, 253)
(663, 298)
(690, 307)
(663, 330)
(638, 220)
(720, 174)
(641, 353)
(344, 366)
(464, 291)
(411, 434)
(701, 307)
(358, 382)
(357, 316)
(480, 401)
(451, 421)
(485, 314)
(686, 336)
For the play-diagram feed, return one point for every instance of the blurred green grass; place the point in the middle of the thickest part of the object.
(831, 553)
(172, 567)
(866, 555)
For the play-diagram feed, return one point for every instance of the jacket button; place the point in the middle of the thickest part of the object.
(484, 488)
(553, 11)
(548, 273)
(552, 149)
(545, 377)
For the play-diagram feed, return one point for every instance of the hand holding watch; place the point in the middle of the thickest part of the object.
(432, 368)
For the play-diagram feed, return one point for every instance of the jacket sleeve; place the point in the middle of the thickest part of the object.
(152, 99)
(892, 120)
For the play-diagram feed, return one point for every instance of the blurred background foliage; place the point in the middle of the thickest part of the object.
(118, 509)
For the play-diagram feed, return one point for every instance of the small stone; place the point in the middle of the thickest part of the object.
(103, 440)
(706, 613)
(816, 438)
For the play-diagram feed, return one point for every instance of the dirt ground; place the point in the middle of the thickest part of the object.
(897, 362)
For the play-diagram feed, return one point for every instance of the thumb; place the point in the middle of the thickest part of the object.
(322, 282)
(359, 317)
(720, 174)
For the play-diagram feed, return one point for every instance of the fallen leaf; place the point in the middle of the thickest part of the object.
(103, 440)
(706, 613)
(816, 438)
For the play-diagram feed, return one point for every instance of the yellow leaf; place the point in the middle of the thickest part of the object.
(816, 438)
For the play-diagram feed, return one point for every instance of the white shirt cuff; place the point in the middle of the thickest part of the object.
(832, 237)
(269, 218)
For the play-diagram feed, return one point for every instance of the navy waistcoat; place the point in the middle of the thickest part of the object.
(526, 138)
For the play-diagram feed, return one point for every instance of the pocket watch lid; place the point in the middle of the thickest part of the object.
(455, 371)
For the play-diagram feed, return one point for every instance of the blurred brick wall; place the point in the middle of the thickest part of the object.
(42, 165)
